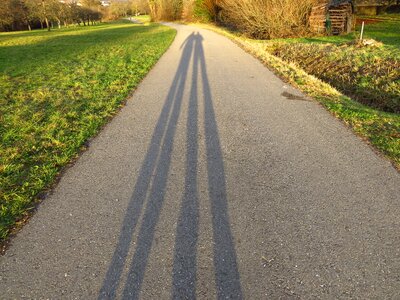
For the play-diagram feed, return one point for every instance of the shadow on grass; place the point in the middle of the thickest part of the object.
(150, 189)
(63, 45)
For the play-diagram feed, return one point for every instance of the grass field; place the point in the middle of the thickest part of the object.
(56, 91)
(320, 72)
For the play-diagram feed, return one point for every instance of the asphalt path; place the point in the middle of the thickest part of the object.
(216, 180)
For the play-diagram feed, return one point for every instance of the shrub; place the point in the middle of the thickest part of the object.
(207, 9)
(265, 19)
(166, 10)
(200, 10)
(188, 10)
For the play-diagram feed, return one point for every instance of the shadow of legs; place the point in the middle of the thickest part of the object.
(160, 145)
(226, 270)
(184, 272)
(157, 193)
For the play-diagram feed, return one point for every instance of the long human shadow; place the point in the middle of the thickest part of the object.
(151, 186)
(225, 264)
(184, 271)
(157, 161)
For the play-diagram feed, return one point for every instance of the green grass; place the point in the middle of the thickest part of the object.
(380, 128)
(143, 18)
(57, 89)
(387, 30)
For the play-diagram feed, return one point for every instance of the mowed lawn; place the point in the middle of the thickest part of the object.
(56, 91)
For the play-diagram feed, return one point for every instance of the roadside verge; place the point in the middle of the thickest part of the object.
(379, 129)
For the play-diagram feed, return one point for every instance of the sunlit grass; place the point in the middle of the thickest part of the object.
(143, 18)
(56, 90)
(370, 75)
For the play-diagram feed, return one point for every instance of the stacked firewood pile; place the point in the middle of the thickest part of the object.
(334, 17)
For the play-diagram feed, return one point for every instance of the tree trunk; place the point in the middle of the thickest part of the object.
(45, 14)
(29, 27)
(47, 24)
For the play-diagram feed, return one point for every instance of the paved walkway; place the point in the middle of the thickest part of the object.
(211, 183)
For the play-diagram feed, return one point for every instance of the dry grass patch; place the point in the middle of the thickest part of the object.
(370, 75)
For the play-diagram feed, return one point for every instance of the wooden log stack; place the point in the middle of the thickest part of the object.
(341, 18)
(318, 17)
(335, 17)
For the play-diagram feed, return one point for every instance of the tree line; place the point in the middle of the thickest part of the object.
(29, 14)
(256, 18)
(263, 19)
